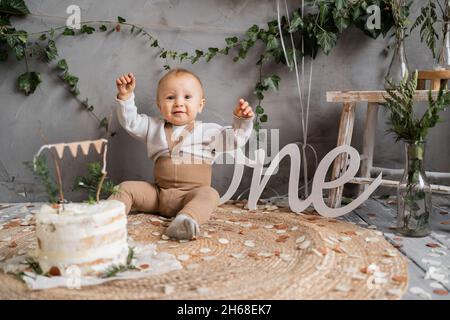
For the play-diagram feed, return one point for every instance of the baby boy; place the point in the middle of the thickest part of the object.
(182, 149)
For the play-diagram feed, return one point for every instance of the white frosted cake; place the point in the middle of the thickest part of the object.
(90, 236)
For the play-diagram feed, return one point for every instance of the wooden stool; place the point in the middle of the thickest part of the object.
(436, 78)
(350, 99)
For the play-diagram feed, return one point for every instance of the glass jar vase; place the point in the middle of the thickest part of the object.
(398, 68)
(443, 54)
(414, 204)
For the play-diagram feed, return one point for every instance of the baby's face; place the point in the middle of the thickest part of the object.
(180, 98)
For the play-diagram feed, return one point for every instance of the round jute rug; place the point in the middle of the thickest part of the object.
(265, 254)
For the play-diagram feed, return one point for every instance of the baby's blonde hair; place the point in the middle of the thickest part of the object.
(176, 72)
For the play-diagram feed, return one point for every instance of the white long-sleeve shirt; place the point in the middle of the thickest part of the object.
(206, 141)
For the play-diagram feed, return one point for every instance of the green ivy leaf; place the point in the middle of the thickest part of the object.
(259, 110)
(71, 80)
(327, 40)
(198, 55)
(224, 50)
(231, 42)
(166, 67)
(103, 28)
(43, 37)
(296, 22)
(252, 33)
(324, 10)
(68, 32)
(341, 22)
(104, 123)
(272, 42)
(272, 82)
(17, 42)
(62, 65)
(273, 27)
(183, 56)
(16, 7)
(155, 44)
(263, 118)
(50, 51)
(211, 53)
(259, 95)
(29, 81)
(19, 51)
(172, 54)
(121, 20)
(356, 12)
(340, 4)
(87, 29)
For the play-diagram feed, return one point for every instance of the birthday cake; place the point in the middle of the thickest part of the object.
(92, 237)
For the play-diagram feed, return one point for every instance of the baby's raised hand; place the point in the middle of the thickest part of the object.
(243, 110)
(125, 85)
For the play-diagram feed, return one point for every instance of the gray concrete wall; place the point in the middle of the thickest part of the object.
(356, 63)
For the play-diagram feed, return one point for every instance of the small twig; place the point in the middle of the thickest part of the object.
(104, 173)
(100, 185)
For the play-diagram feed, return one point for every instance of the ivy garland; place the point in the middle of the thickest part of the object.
(320, 30)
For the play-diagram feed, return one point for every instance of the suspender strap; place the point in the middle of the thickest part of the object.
(168, 129)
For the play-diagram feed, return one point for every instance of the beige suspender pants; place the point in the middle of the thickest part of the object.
(179, 187)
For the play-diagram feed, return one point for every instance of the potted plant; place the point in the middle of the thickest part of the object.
(414, 203)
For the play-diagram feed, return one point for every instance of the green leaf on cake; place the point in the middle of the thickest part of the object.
(113, 270)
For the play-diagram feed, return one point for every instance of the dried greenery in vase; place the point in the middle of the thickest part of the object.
(404, 123)
(414, 203)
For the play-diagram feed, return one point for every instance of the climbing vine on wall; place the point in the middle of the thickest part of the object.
(320, 29)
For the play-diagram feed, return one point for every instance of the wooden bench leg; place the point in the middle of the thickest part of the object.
(340, 164)
(368, 141)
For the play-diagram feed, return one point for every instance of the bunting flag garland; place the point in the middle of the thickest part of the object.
(85, 147)
(59, 149)
(98, 146)
(73, 147)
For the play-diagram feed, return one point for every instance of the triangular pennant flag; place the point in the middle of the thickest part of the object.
(59, 149)
(98, 145)
(73, 147)
(85, 147)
